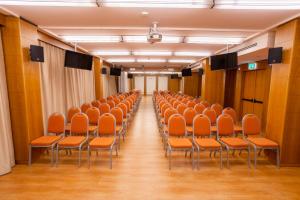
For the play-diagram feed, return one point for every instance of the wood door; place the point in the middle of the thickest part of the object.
(248, 92)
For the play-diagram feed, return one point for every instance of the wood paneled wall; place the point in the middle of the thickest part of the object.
(284, 99)
(98, 77)
(213, 84)
(23, 79)
(173, 85)
(191, 85)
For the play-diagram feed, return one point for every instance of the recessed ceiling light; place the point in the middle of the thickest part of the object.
(151, 60)
(112, 53)
(214, 40)
(181, 61)
(92, 39)
(191, 53)
(121, 60)
(132, 69)
(145, 13)
(152, 53)
(62, 3)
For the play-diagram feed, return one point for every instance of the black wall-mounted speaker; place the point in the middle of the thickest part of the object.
(275, 55)
(103, 71)
(36, 53)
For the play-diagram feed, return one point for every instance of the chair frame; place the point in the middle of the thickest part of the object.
(104, 149)
(75, 147)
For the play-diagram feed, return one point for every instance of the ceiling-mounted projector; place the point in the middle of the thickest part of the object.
(154, 35)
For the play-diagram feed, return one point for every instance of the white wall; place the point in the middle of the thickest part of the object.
(139, 83)
(162, 83)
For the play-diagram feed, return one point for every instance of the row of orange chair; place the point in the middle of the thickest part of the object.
(185, 128)
(107, 127)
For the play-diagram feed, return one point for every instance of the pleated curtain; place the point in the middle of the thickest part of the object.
(63, 87)
(6, 144)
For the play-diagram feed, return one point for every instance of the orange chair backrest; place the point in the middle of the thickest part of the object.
(80, 124)
(225, 125)
(71, 112)
(84, 107)
(251, 125)
(189, 115)
(168, 113)
(127, 103)
(201, 126)
(110, 98)
(56, 123)
(96, 103)
(124, 109)
(111, 103)
(176, 125)
(116, 101)
(164, 108)
(205, 104)
(199, 108)
(231, 112)
(175, 104)
(104, 108)
(102, 100)
(107, 125)
(211, 114)
(93, 115)
(121, 97)
(118, 114)
(217, 108)
(185, 100)
(191, 104)
(181, 108)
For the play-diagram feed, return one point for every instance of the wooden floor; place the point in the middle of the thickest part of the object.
(141, 172)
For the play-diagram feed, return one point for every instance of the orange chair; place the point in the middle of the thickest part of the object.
(189, 115)
(205, 104)
(104, 108)
(177, 140)
(168, 113)
(185, 101)
(102, 100)
(124, 110)
(251, 130)
(211, 114)
(93, 115)
(202, 137)
(111, 104)
(84, 107)
(225, 131)
(116, 101)
(231, 112)
(181, 108)
(175, 104)
(106, 136)
(55, 131)
(71, 112)
(79, 135)
(96, 103)
(118, 114)
(217, 108)
(191, 104)
(110, 98)
(199, 108)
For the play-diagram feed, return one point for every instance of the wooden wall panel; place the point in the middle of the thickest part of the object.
(173, 85)
(98, 77)
(191, 84)
(284, 108)
(213, 84)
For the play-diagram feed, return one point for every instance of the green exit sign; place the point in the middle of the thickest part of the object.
(252, 66)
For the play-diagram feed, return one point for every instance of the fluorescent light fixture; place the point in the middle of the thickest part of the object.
(152, 53)
(135, 38)
(258, 4)
(181, 61)
(132, 69)
(56, 3)
(121, 60)
(157, 3)
(214, 40)
(171, 39)
(151, 60)
(191, 53)
(153, 72)
(112, 53)
(92, 39)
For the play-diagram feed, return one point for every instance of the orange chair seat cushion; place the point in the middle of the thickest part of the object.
(189, 129)
(207, 143)
(102, 142)
(180, 143)
(72, 141)
(45, 140)
(262, 142)
(119, 128)
(235, 142)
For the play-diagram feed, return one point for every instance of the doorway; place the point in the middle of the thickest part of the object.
(150, 84)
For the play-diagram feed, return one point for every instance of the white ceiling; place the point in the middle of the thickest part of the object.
(130, 21)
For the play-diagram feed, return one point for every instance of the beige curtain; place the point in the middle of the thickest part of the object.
(53, 84)
(6, 144)
(63, 87)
